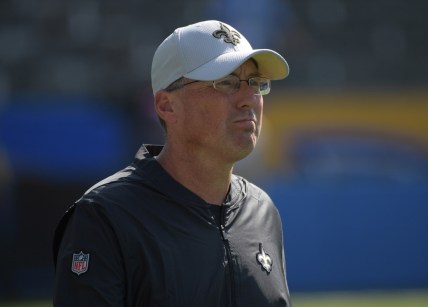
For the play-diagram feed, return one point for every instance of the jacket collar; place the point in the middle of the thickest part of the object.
(154, 175)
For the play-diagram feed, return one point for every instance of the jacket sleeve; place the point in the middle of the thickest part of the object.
(89, 267)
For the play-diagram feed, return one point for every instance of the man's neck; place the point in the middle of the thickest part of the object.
(206, 177)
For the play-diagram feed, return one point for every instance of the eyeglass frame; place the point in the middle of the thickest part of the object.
(178, 84)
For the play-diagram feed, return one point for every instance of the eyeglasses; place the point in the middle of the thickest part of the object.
(231, 84)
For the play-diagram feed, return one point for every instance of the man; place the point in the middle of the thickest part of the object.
(176, 227)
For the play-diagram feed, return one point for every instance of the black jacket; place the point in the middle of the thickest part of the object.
(139, 238)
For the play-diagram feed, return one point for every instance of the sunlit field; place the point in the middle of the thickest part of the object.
(342, 299)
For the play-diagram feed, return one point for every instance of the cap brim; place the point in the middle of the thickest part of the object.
(270, 65)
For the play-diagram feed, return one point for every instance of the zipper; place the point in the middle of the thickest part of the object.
(228, 255)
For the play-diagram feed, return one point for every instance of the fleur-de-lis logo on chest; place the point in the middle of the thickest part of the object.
(229, 36)
(264, 259)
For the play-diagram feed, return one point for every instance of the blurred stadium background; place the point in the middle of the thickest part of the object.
(344, 150)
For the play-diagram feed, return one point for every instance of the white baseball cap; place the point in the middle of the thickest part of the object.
(210, 50)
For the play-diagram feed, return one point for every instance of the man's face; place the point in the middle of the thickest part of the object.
(222, 126)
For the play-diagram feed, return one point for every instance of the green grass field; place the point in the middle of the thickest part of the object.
(343, 299)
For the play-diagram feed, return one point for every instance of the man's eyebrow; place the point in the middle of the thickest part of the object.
(253, 74)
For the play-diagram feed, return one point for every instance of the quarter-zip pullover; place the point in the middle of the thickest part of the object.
(139, 238)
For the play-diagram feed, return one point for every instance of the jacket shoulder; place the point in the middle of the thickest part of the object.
(99, 197)
(254, 190)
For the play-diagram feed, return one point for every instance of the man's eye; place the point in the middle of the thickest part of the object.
(224, 83)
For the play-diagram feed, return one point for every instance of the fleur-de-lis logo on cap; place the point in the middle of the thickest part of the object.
(230, 36)
(264, 259)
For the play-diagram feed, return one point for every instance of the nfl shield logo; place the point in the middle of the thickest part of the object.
(80, 263)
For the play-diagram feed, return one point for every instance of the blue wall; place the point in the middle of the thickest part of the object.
(66, 138)
(354, 234)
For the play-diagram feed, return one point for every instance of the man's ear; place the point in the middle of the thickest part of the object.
(164, 106)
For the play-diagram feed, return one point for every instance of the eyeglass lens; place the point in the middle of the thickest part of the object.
(231, 84)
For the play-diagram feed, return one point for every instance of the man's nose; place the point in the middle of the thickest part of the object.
(247, 96)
